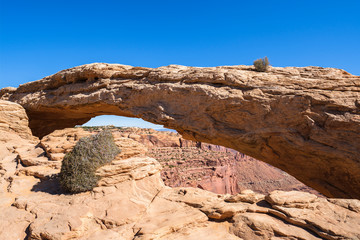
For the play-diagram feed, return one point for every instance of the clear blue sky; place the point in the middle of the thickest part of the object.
(39, 38)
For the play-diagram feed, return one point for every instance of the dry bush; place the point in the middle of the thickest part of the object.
(79, 166)
(261, 64)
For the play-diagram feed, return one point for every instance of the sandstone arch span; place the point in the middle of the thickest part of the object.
(305, 121)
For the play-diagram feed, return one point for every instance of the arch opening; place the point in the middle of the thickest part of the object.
(187, 163)
(120, 121)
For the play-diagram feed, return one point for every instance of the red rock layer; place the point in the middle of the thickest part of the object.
(211, 167)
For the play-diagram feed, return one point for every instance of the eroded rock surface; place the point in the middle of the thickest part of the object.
(185, 163)
(132, 202)
(13, 119)
(304, 121)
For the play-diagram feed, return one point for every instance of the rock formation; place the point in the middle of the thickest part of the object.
(304, 121)
(185, 163)
(131, 202)
(210, 167)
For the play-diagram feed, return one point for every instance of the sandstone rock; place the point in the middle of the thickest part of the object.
(246, 196)
(41, 172)
(301, 120)
(262, 226)
(29, 156)
(14, 119)
(351, 204)
(291, 199)
(14, 222)
(22, 185)
(165, 217)
(123, 170)
(329, 221)
(298, 215)
(185, 163)
(220, 170)
(141, 207)
(32, 205)
(130, 147)
(207, 230)
(145, 209)
(61, 216)
(60, 142)
(17, 143)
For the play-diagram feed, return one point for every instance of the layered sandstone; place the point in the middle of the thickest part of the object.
(14, 119)
(185, 163)
(131, 202)
(304, 121)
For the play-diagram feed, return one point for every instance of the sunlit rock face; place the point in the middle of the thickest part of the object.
(131, 201)
(304, 121)
(184, 163)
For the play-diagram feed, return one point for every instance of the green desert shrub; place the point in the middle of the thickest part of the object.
(261, 64)
(78, 167)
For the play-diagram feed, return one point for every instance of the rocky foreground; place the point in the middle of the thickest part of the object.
(132, 202)
(305, 121)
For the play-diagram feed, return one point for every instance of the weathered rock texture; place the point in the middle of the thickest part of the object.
(211, 167)
(131, 202)
(305, 121)
(185, 163)
(14, 119)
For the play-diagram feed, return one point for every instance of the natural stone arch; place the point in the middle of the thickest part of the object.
(305, 121)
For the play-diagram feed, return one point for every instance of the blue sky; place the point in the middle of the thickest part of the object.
(39, 38)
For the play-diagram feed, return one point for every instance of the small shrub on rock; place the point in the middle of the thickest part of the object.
(261, 64)
(78, 167)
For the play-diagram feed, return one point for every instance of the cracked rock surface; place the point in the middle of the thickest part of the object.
(305, 121)
(132, 202)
